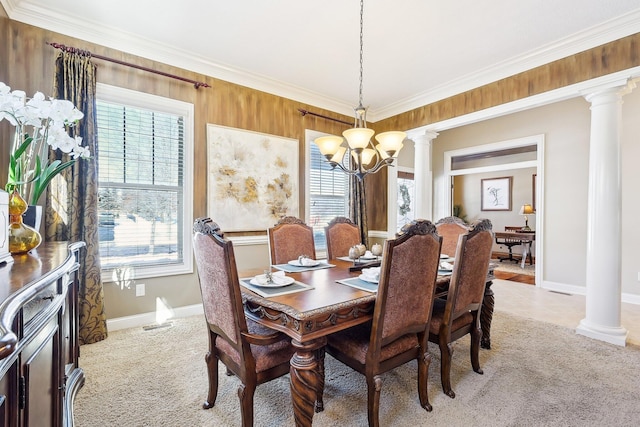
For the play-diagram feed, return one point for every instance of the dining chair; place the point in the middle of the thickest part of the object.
(249, 351)
(341, 234)
(459, 314)
(398, 331)
(289, 238)
(450, 228)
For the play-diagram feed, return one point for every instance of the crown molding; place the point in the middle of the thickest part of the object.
(28, 13)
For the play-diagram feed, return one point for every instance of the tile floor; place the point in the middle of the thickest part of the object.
(562, 309)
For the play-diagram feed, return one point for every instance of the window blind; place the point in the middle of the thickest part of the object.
(141, 177)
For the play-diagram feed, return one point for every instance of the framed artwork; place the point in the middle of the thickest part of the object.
(496, 194)
(252, 178)
(535, 175)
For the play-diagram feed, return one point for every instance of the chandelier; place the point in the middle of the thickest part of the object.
(366, 157)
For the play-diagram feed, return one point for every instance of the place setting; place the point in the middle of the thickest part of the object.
(367, 280)
(445, 268)
(303, 263)
(271, 284)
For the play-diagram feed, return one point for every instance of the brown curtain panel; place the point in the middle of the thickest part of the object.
(358, 208)
(72, 200)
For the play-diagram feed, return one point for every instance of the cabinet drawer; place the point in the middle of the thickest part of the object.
(40, 303)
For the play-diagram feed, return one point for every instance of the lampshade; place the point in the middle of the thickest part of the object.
(367, 155)
(358, 137)
(391, 142)
(527, 209)
(328, 145)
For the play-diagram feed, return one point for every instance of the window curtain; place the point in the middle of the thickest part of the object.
(72, 200)
(358, 208)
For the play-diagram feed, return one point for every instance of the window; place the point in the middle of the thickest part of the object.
(327, 193)
(144, 183)
(406, 197)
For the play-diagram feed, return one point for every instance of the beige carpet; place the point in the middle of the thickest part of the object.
(536, 374)
(511, 267)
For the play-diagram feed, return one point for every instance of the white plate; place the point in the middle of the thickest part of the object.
(444, 256)
(445, 272)
(278, 281)
(308, 263)
(368, 279)
(367, 258)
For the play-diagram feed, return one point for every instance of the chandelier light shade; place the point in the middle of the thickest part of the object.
(366, 158)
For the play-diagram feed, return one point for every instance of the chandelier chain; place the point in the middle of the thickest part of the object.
(361, 43)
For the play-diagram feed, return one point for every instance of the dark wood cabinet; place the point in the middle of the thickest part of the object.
(39, 372)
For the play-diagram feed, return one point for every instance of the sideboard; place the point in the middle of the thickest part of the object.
(39, 348)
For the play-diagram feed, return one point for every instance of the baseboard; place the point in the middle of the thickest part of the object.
(145, 319)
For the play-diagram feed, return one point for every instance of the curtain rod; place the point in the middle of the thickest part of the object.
(70, 49)
(305, 112)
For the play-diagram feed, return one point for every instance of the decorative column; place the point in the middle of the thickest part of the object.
(604, 288)
(423, 175)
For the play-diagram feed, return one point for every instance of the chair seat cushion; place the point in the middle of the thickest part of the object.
(437, 317)
(354, 343)
(266, 356)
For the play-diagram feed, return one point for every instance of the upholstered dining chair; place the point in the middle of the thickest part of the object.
(289, 238)
(341, 234)
(459, 314)
(450, 228)
(251, 352)
(398, 332)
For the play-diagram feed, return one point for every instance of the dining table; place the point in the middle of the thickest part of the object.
(321, 304)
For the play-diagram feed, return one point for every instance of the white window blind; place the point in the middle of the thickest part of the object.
(142, 180)
(329, 195)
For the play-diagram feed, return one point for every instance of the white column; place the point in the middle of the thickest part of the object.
(604, 288)
(423, 175)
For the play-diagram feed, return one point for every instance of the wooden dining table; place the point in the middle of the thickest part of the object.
(309, 316)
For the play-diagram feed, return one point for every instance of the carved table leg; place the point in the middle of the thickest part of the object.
(305, 379)
(486, 315)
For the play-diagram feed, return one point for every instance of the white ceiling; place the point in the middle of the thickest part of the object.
(415, 51)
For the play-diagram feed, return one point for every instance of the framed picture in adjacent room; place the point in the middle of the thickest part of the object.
(496, 193)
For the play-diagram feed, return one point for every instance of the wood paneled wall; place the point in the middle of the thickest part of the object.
(602, 60)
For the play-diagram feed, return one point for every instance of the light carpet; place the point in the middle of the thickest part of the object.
(511, 267)
(536, 374)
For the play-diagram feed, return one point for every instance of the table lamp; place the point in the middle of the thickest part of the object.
(525, 210)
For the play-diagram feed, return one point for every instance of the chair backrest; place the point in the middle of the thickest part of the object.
(341, 234)
(450, 228)
(407, 283)
(289, 239)
(219, 285)
(470, 269)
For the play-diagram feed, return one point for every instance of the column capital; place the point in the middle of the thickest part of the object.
(617, 88)
(423, 137)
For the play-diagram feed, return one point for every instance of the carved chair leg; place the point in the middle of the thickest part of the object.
(423, 378)
(374, 385)
(446, 353)
(212, 372)
(476, 334)
(245, 393)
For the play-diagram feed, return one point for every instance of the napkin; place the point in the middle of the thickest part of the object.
(371, 273)
(277, 276)
(446, 265)
(306, 261)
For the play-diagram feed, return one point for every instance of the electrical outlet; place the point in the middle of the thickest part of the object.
(140, 290)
